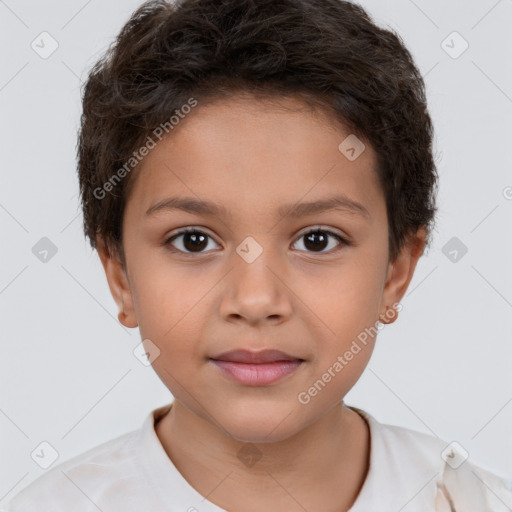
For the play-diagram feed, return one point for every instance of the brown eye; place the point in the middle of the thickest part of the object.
(319, 239)
(189, 241)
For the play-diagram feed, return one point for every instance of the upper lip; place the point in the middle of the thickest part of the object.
(249, 356)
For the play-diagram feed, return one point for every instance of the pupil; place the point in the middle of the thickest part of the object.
(196, 239)
(314, 239)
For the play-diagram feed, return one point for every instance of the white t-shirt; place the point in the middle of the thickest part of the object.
(133, 473)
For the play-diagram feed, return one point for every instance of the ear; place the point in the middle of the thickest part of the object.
(118, 283)
(399, 276)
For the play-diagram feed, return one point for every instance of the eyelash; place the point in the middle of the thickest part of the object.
(343, 241)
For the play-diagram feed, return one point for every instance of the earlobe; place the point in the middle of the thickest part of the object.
(399, 275)
(118, 284)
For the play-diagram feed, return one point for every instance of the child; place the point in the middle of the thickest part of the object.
(257, 177)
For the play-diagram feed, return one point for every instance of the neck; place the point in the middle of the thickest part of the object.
(326, 463)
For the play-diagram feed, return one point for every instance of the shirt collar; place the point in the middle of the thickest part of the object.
(386, 481)
(169, 485)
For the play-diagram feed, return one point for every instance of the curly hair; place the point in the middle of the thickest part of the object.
(329, 53)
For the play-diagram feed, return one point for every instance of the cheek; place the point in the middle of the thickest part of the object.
(349, 307)
(161, 298)
(171, 309)
(351, 295)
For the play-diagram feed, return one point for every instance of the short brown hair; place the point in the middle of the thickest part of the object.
(327, 52)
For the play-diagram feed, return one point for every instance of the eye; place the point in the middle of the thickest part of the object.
(317, 239)
(194, 241)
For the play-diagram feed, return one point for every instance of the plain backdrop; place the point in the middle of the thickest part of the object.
(68, 373)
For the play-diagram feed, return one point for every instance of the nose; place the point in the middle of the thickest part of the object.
(256, 292)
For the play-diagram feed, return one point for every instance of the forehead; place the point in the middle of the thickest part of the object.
(254, 154)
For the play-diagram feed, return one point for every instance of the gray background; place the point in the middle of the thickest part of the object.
(68, 374)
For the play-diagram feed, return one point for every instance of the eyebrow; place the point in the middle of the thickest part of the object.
(201, 207)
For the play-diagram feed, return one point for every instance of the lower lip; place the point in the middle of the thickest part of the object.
(257, 374)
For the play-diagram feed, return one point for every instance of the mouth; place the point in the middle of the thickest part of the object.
(249, 356)
(256, 368)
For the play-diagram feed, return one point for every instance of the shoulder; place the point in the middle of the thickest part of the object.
(456, 481)
(401, 446)
(78, 479)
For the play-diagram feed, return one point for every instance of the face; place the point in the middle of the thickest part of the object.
(261, 270)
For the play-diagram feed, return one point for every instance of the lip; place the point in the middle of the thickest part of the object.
(249, 356)
(256, 368)
(261, 374)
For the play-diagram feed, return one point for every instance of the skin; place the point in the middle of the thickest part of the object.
(253, 156)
